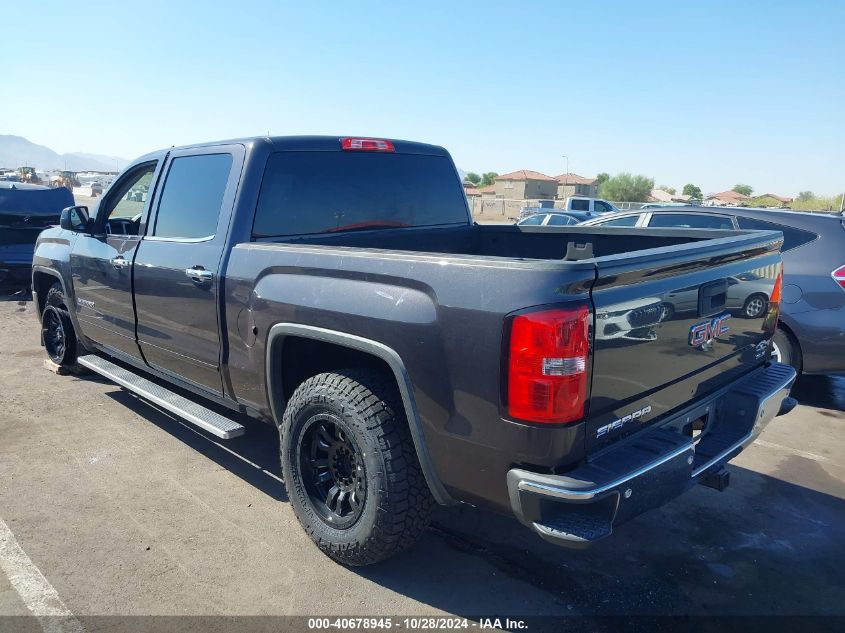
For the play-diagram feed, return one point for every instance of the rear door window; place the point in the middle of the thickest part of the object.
(192, 196)
(690, 221)
(323, 192)
(792, 237)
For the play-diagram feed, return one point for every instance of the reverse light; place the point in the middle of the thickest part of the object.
(839, 276)
(366, 145)
(547, 365)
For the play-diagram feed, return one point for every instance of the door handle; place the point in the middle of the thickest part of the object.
(119, 262)
(199, 274)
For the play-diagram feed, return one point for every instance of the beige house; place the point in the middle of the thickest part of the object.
(726, 199)
(661, 195)
(575, 185)
(525, 184)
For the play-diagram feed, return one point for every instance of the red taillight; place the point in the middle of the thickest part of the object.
(547, 365)
(770, 323)
(366, 145)
(839, 276)
(778, 289)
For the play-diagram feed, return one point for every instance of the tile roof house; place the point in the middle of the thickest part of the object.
(782, 199)
(727, 199)
(525, 184)
(575, 185)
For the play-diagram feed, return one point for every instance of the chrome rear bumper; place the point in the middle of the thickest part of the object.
(651, 468)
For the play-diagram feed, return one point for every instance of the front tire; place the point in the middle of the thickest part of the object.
(57, 331)
(350, 467)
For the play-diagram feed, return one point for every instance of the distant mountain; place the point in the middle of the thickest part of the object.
(16, 151)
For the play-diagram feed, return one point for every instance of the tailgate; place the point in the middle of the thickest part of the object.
(675, 324)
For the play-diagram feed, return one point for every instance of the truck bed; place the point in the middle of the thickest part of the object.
(511, 241)
(439, 298)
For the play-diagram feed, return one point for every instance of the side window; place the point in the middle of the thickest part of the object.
(627, 220)
(603, 207)
(121, 214)
(192, 195)
(533, 220)
(579, 205)
(556, 219)
(792, 238)
(690, 221)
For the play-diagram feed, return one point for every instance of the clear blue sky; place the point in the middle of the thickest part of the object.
(709, 92)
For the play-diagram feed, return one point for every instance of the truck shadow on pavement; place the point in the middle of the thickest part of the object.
(254, 457)
(764, 546)
(825, 392)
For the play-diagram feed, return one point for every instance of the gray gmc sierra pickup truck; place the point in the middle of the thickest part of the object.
(339, 289)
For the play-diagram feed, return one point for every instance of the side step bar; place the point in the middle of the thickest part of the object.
(188, 410)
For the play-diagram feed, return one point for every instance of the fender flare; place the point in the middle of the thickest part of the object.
(52, 273)
(273, 377)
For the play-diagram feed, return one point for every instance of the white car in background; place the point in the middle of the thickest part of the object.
(588, 205)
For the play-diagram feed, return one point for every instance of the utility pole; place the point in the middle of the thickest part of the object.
(566, 178)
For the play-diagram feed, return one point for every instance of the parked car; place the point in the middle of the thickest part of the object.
(661, 205)
(590, 205)
(24, 211)
(811, 331)
(338, 289)
(555, 217)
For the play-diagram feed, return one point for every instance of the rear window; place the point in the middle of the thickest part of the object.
(533, 220)
(322, 192)
(579, 205)
(625, 220)
(690, 221)
(792, 238)
(560, 220)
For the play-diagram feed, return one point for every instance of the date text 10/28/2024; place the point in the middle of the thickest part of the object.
(416, 623)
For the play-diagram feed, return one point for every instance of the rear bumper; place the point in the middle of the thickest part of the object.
(648, 470)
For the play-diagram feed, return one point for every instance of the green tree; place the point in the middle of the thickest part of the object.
(806, 196)
(625, 187)
(692, 191)
(473, 178)
(670, 190)
(745, 190)
(488, 178)
(602, 178)
(764, 201)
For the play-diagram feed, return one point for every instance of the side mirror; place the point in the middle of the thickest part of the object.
(75, 219)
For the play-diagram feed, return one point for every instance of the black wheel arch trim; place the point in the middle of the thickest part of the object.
(276, 399)
(53, 273)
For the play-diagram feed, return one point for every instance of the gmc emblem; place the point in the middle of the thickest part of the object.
(702, 335)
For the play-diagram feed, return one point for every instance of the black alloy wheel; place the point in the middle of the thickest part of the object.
(54, 333)
(333, 470)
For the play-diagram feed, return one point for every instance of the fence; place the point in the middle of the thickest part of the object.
(486, 209)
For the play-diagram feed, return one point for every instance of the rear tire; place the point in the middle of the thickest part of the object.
(785, 349)
(57, 331)
(350, 467)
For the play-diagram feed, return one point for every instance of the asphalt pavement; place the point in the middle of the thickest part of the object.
(112, 507)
